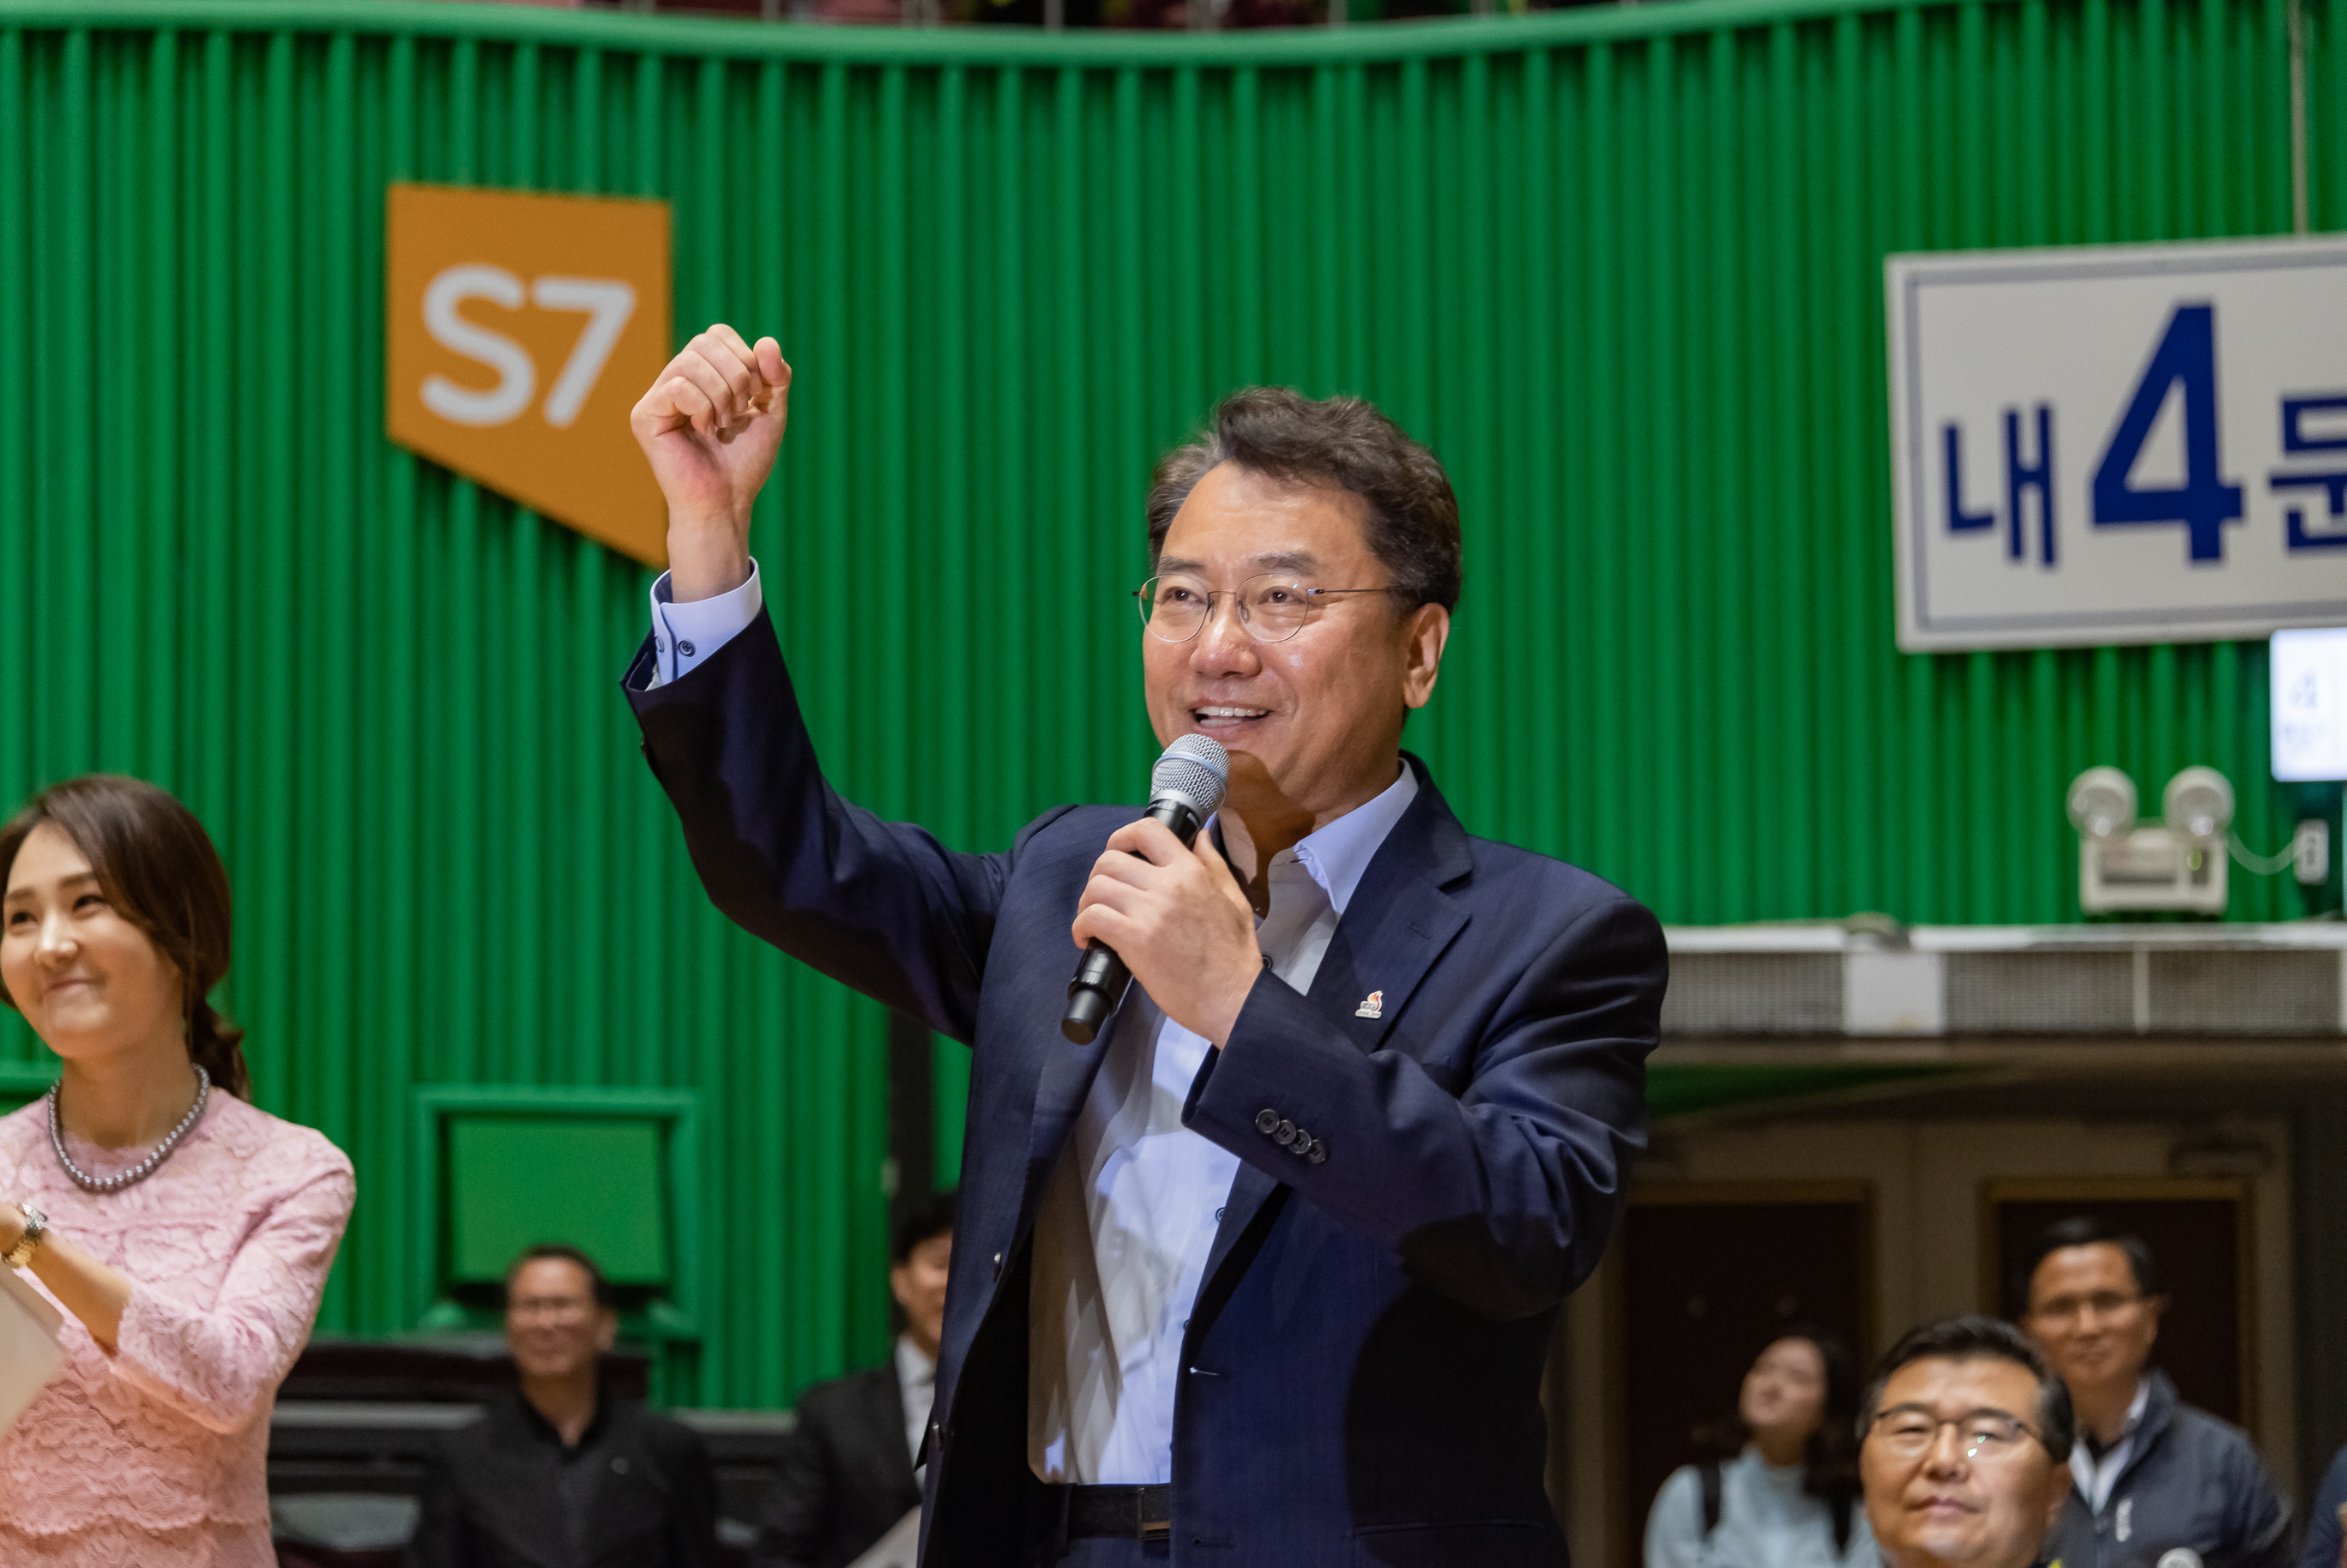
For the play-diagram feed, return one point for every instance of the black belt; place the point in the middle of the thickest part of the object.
(1132, 1512)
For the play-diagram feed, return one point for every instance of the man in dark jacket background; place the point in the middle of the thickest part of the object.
(562, 1473)
(2158, 1483)
(848, 1477)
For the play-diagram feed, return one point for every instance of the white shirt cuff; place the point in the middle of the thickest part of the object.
(685, 634)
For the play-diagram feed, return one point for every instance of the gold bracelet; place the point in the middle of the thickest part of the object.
(36, 1225)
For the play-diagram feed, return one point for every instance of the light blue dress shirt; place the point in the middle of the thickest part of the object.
(685, 634)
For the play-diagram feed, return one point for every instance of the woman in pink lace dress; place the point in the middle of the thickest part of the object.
(185, 1235)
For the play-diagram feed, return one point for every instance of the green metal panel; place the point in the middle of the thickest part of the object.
(516, 1182)
(496, 1168)
(1622, 266)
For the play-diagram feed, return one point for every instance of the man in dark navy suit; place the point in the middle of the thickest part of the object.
(1265, 1273)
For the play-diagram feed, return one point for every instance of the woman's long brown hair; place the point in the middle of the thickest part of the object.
(158, 867)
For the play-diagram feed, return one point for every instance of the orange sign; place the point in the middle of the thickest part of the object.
(522, 329)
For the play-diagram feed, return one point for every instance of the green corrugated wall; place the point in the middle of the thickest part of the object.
(1622, 266)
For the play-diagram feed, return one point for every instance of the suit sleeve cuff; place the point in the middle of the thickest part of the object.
(1245, 1096)
(683, 635)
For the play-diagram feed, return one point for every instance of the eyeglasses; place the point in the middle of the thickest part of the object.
(1987, 1436)
(2102, 1304)
(1272, 606)
(551, 1308)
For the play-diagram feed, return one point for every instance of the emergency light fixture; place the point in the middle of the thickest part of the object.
(2178, 865)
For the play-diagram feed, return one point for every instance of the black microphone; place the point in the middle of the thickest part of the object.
(1185, 788)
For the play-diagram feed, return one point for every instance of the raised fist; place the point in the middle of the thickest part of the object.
(710, 426)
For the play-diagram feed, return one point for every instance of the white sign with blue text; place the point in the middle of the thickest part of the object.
(2119, 444)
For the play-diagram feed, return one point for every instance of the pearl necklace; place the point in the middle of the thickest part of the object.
(144, 1168)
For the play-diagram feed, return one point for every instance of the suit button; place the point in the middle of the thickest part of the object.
(1318, 1154)
(1283, 1132)
(1299, 1140)
(1265, 1120)
(998, 1266)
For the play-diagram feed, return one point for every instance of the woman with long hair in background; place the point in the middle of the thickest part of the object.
(1777, 1486)
(185, 1235)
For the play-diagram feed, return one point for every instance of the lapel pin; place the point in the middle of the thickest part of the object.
(1372, 1006)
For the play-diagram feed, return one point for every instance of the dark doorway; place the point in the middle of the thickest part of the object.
(1713, 1272)
(2198, 1235)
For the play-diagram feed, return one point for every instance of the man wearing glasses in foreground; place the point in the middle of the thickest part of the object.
(1265, 1273)
(1963, 1444)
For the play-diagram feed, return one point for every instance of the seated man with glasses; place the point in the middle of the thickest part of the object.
(1265, 1273)
(1961, 1440)
(2156, 1477)
(564, 1474)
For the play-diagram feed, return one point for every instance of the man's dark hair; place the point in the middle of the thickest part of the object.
(925, 1222)
(1975, 1338)
(1344, 442)
(598, 1287)
(2086, 1230)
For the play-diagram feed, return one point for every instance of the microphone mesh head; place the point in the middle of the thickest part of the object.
(1194, 768)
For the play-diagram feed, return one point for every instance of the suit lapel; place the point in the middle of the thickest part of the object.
(1399, 921)
(1384, 962)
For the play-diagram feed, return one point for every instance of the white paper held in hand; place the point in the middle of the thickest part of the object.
(29, 1352)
